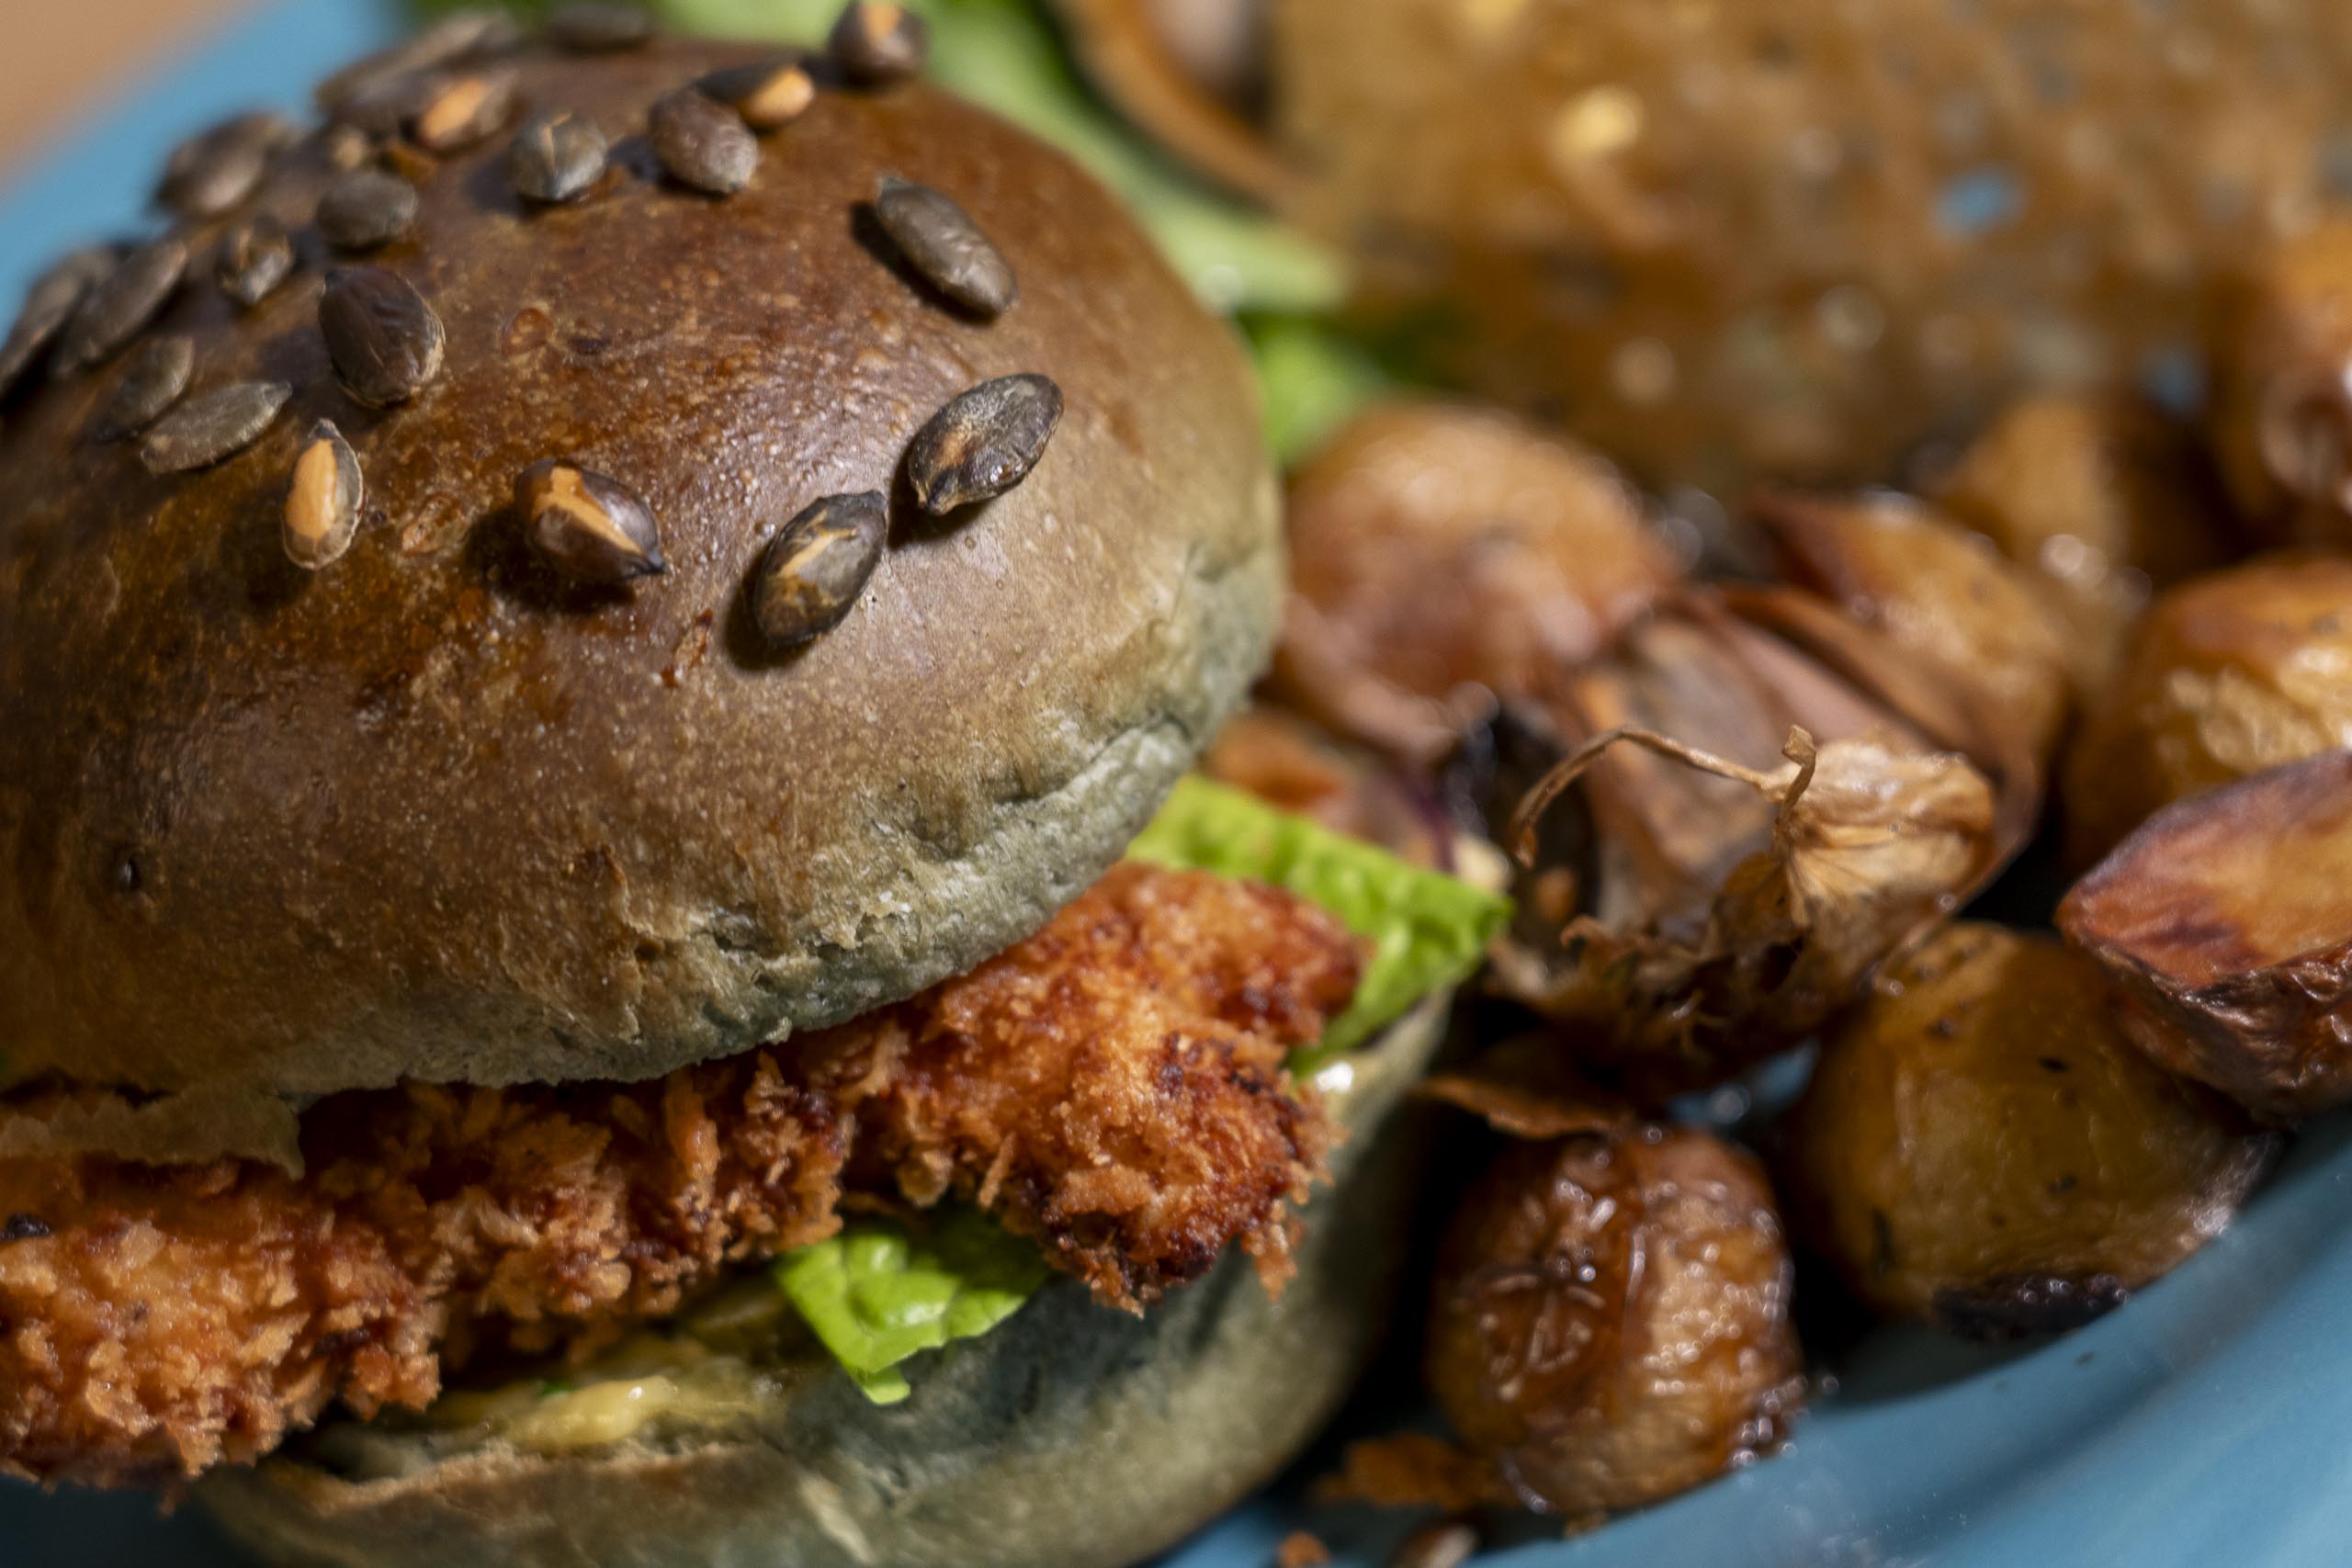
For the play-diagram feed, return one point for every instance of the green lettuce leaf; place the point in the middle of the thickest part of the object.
(1427, 930)
(880, 1292)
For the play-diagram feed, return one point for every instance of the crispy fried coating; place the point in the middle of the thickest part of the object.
(1112, 1087)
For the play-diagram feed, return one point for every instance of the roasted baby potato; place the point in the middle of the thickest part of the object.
(1983, 1146)
(2102, 499)
(2281, 410)
(1611, 1317)
(2227, 920)
(2226, 675)
(1437, 548)
(1281, 758)
(1938, 593)
(1191, 74)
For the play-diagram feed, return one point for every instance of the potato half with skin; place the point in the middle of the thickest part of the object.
(1612, 1318)
(1983, 1146)
(1436, 547)
(1938, 592)
(2227, 675)
(1290, 762)
(2227, 920)
(2101, 499)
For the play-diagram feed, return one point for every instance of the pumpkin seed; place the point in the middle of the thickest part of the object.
(702, 143)
(213, 426)
(367, 208)
(983, 442)
(557, 156)
(386, 343)
(941, 242)
(814, 570)
(587, 524)
(157, 377)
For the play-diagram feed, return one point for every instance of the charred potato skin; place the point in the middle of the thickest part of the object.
(2227, 675)
(1610, 1324)
(2273, 1033)
(1984, 1149)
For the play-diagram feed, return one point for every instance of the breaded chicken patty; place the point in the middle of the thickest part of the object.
(1112, 1087)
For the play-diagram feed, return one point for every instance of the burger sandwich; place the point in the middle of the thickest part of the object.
(610, 952)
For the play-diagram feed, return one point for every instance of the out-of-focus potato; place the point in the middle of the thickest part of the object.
(2103, 499)
(1793, 238)
(1938, 592)
(1983, 1146)
(2227, 919)
(1191, 73)
(2226, 675)
(1437, 548)
(1282, 759)
(2281, 411)
(1612, 1318)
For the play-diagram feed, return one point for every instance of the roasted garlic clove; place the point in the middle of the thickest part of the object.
(1981, 1145)
(1677, 974)
(2227, 919)
(1938, 593)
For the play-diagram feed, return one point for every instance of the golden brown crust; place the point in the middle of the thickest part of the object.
(431, 813)
(1112, 1087)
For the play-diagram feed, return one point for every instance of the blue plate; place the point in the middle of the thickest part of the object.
(2209, 1422)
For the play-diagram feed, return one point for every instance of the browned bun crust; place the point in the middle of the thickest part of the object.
(435, 812)
(1070, 1435)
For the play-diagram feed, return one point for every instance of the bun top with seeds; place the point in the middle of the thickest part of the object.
(427, 689)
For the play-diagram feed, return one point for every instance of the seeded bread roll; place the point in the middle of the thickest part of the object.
(493, 797)
(1072, 1435)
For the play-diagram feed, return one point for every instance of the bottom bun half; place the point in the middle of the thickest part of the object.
(1071, 1436)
